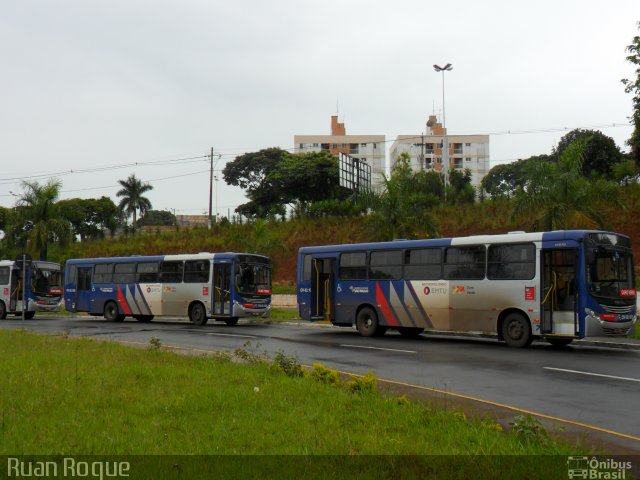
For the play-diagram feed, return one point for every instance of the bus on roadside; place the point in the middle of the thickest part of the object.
(43, 288)
(222, 286)
(559, 285)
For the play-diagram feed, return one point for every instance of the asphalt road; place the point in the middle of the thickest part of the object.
(596, 386)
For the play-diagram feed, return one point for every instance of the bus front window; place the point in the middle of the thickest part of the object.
(46, 282)
(253, 279)
(610, 273)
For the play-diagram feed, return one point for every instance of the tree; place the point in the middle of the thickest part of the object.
(250, 171)
(601, 153)
(90, 217)
(132, 197)
(402, 210)
(633, 86)
(460, 191)
(504, 180)
(161, 218)
(558, 196)
(38, 221)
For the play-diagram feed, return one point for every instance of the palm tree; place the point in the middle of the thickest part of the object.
(38, 219)
(557, 194)
(132, 199)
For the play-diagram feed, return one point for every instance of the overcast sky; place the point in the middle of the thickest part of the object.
(104, 85)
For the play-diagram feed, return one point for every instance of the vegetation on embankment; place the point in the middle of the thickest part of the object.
(281, 240)
(80, 396)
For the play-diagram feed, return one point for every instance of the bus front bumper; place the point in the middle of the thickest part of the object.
(597, 327)
(240, 310)
(45, 305)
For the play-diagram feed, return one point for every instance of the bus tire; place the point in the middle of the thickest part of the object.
(29, 315)
(231, 321)
(367, 323)
(559, 342)
(411, 332)
(3, 311)
(516, 330)
(198, 314)
(111, 312)
(143, 318)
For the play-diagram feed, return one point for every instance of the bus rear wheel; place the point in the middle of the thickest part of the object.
(559, 342)
(29, 315)
(111, 312)
(197, 314)
(367, 323)
(516, 330)
(411, 332)
(143, 318)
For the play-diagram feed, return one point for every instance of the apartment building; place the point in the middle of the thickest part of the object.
(366, 148)
(425, 151)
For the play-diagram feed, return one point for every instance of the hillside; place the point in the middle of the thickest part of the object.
(281, 240)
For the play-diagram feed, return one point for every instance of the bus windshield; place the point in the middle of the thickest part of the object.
(253, 278)
(610, 274)
(45, 281)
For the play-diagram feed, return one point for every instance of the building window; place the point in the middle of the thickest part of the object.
(363, 144)
(457, 148)
(467, 144)
(353, 148)
(302, 146)
(335, 145)
(468, 159)
(315, 144)
(457, 163)
(325, 146)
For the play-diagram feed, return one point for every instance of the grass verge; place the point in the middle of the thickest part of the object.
(82, 397)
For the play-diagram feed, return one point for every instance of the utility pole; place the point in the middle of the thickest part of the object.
(210, 187)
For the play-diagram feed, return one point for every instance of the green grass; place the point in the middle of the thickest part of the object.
(66, 396)
(284, 314)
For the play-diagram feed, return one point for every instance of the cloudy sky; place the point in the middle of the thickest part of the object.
(93, 91)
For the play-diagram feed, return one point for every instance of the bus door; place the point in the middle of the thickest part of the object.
(221, 288)
(322, 289)
(15, 302)
(83, 289)
(559, 298)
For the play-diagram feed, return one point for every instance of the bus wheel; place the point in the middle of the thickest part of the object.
(111, 312)
(29, 315)
(412, 332)
(516, 330)
(231, 321)
(197, 314)
(3, 311)
(559, 342)
(143, 318)
(367, 323)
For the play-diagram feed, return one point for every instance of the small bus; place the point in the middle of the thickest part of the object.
(43, 288)
(559, 285)
(222, 286)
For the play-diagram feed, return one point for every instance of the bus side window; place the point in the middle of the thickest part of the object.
(147, 272)
(5, 275)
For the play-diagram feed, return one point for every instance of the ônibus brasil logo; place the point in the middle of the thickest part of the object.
(595, 468)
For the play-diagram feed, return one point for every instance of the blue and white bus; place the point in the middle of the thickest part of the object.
(222, 286)
(559, 285)
(43, 288)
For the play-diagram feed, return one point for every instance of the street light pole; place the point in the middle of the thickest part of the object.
(445, 141)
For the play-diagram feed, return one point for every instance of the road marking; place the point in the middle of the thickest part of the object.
(230, 335)
(500, 405)
(378, 348)
(593, 374)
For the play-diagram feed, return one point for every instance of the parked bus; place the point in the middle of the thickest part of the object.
(559, 285)
(43, 288)
(222, 286)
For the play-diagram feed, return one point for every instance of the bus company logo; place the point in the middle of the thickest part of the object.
(435, 290)
(169, 289)
(338, 288)
(358, 289)
(458, 289)
(595, 468)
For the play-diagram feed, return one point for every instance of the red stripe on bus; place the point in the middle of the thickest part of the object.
(387, 313)
(123, 302)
